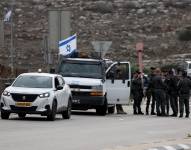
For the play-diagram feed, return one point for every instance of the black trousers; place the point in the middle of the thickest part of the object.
(150, 95)
(160, 101)
(167, 103)
(174, 103)
(137, 102)
(184, 101)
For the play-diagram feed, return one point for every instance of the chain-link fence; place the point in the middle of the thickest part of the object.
(6, 75)
(3, 82)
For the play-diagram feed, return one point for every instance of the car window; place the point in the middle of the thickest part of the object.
(56, 82)
(33, 81)
(61, 81)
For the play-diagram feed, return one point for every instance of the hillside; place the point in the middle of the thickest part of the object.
(124, 22)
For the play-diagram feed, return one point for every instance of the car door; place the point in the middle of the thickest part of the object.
(58, 93)
(118, 77)
(64, 94)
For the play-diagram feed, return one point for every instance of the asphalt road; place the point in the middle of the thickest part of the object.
(86, 131)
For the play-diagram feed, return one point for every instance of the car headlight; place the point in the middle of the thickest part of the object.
(97, 88)
(44, 95)
(6, 93)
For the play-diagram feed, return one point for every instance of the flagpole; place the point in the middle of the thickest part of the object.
(12, 44)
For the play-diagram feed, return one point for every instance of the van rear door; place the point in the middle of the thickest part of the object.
(118, 78)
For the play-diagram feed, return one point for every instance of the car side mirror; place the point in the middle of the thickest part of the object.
(59, 87)
(7, 84)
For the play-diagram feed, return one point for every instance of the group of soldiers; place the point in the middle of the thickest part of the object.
(164, 90)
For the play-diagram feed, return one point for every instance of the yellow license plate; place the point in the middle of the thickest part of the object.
(23, 104)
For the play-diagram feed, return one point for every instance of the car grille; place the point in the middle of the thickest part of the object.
(80, 93)
(24, 97)
(25, 109)
(80, 86)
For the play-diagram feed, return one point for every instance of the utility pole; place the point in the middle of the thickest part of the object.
(101, 50)
(2, 41)
(139, 48)
(47, 54)
(12, 39)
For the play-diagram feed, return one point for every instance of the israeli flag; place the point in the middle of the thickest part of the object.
(8, 16)
(68, 46)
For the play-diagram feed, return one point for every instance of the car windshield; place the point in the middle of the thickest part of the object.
(84, 70)
(31, 81)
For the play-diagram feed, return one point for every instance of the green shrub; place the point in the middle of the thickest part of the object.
(135, 68)
(169, 66)
(184, 35)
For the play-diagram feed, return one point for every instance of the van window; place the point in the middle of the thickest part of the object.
(119, 71)
(189, 66)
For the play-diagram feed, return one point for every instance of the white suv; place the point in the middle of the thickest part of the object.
(37, 93)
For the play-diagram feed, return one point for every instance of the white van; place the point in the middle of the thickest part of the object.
(187, 67)
(94, 87)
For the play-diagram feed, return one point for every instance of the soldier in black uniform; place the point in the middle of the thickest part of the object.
(184, 87)
(150, 93)
(159, 91)
(173, 93)
(167, 97)
(137, 92)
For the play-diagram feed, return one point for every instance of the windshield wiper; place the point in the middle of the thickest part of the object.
(79, 75)
(90, 76)
(69, 74)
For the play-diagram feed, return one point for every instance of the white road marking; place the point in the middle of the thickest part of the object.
(153, 149)
(184, 146)
(169, 147)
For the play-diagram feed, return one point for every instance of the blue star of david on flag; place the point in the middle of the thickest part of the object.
(68, 46)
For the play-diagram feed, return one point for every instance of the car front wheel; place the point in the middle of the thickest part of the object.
(52, 114)
(111, 110)
(21, 115)
(5, 115)
(102, 110)
(67, 114)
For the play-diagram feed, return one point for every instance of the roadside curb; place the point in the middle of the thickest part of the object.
(173, 147)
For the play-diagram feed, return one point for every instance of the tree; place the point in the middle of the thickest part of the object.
(3, 4)
(1, 11)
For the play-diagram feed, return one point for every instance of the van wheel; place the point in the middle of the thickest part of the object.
(102, 110)
(21, 115)
(5, 115)
(52, 114)
(111, 110)
(67, 114)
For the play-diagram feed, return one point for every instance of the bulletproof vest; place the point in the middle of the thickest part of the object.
(157, 83)
(172, 85)
(136, 85)
(184, 86)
